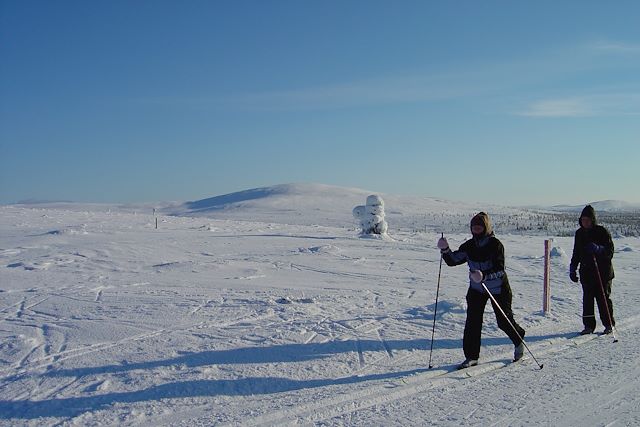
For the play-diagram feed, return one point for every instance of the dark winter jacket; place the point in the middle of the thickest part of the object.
(584, 237)
(484, 253)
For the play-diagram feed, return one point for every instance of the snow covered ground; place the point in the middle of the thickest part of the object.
(271, 310)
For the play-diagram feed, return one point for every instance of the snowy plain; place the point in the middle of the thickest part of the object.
(267, 308)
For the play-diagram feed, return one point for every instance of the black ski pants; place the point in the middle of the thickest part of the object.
(590, 292)
(476, 302)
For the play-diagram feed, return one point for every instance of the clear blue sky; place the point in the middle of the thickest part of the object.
(498, 101)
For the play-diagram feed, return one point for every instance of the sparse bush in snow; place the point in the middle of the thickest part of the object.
(371, 216)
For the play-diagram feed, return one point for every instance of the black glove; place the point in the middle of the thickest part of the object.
(594, 249)
(573, 276)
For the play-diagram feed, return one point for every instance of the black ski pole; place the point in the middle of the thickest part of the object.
(604, 298)
(435, 311)
(511, 324)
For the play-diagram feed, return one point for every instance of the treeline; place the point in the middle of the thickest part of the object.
(559, 224)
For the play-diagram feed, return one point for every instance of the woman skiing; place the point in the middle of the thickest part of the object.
(484, 254)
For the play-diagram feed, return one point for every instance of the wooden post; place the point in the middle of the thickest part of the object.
(546, 293)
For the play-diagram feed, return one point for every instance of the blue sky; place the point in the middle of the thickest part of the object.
(495, 101)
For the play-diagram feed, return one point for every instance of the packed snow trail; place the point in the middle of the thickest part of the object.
(408, 386)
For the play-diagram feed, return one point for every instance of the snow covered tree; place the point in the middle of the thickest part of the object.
(371, 216)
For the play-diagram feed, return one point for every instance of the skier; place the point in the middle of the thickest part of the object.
(484, 254)
(593, 239)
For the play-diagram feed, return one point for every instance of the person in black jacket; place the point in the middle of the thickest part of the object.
(484, 255)
(591, 240)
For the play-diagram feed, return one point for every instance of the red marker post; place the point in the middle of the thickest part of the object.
(546, 291)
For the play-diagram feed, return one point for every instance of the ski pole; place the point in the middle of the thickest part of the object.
(435, 311)
(511, 324)
(604, 298)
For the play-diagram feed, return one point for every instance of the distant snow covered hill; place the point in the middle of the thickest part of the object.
(331, 206)
(325, 205)
(312, 203)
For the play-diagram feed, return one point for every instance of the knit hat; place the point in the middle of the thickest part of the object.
(589, 212)
(483, 220)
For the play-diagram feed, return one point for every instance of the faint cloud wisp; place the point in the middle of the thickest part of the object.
(570, 107)
(627, 104)
(616, 47)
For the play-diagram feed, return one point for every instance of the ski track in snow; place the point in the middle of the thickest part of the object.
(419, 382)
(245, 323)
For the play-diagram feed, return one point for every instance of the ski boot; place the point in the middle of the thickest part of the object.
(467, 363)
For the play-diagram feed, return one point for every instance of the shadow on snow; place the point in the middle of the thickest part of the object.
(286, 353)
(74, 406)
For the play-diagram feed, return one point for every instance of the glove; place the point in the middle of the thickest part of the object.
(573, 276)
(594, 249)
(476, 276)
(443, 245)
